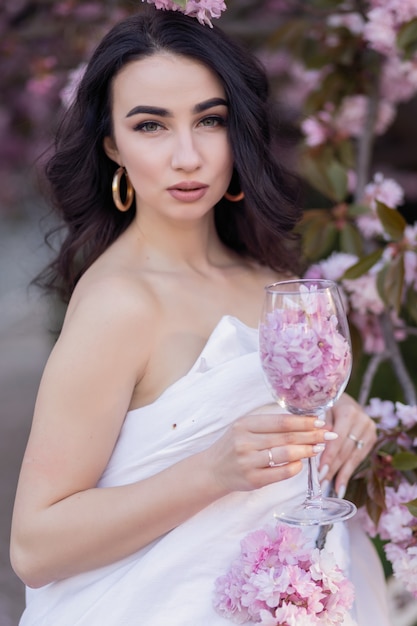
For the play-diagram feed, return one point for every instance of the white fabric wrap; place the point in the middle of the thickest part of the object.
(171, 581)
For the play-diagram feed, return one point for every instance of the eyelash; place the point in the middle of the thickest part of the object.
(143, 126)
(221, 121)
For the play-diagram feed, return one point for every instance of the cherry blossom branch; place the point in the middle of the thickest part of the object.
(397, 360)
(369, 376)
(393, 353)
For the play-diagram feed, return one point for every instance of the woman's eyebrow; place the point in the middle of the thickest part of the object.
(161, 112)
(149, 110)
(209, 104)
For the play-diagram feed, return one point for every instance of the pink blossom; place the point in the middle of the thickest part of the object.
(228, 593)
(410, 235)
(350, 119)
(369, 225)
(305, 358)
(67, 94)
(316, 129)
(404, 564)
(410, 256)
(363, 294)
(304, 587)
(394, 523)
(368, 325)
(384, 411)
(407, 414)
(384, 190)
(293, 615)
(301, 82)
(379, 31)
(384, 21)
(352, 21)
(203, 10)
(402, 74)
(336, 265)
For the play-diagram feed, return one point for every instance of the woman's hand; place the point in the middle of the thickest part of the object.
(264, 447)
(357, 436)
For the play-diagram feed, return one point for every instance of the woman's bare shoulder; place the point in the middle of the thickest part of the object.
(114, 294)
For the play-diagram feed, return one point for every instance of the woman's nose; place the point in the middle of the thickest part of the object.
(186, 155)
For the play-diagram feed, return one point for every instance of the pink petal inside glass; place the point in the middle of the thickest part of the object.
(305, 358)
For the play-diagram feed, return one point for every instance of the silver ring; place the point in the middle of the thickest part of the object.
(271, 459)
(359, 443)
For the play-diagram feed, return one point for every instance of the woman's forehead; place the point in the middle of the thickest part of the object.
(165, 78)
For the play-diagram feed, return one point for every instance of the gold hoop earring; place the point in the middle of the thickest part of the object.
(236, 198)
(115, 187)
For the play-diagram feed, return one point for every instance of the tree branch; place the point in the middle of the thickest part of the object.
(369, 376)
(397, 360)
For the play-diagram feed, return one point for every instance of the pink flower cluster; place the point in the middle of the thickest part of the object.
(305, 358)
(281, 579)
(348, 120)
(385, 18)
(203, 10)
(396, 525)
(361, 297)
(384, 190)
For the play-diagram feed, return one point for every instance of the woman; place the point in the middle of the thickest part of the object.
(148, 458)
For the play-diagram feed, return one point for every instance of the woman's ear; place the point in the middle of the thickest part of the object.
(111, 150)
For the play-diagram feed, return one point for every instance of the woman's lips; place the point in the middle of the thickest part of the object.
(188, 191)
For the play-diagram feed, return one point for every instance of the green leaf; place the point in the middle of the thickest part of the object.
(181, 3)
(390, 282)
(324, 173)
(392, 221)
(337, 175)
(404, 461)
(357, 209)
(362, 266)
(346, 153)
(319, 238)
(357, 492)
(412, 507)
(351, 240)
(407, 37)
(376, 490)
(411, 304)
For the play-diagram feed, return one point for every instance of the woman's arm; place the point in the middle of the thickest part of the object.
(63, 524)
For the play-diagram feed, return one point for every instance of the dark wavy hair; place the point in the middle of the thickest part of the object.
(79, 173)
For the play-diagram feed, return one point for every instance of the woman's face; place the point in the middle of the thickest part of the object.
(170, 133)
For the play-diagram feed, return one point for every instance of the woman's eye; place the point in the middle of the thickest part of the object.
(212, 121)
(148, 127)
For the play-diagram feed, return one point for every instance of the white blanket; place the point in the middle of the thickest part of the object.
(170, 582)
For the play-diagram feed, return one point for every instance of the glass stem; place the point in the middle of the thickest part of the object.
(314, 494)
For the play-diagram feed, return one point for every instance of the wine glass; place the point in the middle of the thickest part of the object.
(306, 357)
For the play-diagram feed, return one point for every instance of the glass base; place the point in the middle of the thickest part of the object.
(318, 513)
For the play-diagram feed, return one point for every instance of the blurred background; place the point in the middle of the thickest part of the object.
(43, 46)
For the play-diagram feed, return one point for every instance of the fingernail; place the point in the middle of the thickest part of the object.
(329, 435)
(341, 492)
(323, 472)
(319, 423)
(324, 486)
(319, 447)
